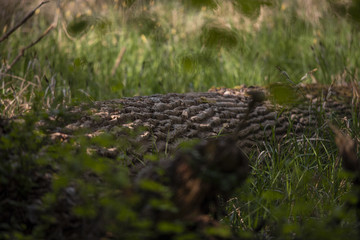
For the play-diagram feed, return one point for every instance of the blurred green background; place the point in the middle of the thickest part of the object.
(110, 49)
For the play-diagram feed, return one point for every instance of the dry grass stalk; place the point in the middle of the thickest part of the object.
(118, 60)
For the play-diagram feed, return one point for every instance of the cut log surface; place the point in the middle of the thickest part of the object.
(168, 119)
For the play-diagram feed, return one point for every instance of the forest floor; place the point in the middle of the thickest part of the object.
(70, 69)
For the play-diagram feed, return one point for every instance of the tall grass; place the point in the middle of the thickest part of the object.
(297, 190)
(168, 47)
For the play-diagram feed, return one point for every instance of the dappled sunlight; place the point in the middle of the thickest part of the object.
(191, 119)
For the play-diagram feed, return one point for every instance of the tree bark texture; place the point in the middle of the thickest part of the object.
(163, 121)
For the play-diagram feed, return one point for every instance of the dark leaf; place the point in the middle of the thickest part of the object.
(283, 94)
(251, 8)
(217, 36)
(78, 26)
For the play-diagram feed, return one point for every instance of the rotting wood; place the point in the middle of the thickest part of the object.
(169, 119)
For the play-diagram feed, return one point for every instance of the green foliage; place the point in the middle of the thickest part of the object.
(284, 94)
(180, 50)
(251, 7)
(223, 232)
(20, 174)
(79, 26)
(296, 190)
(216, 37)
(350, 10)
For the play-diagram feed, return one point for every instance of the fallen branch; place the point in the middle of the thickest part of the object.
(22, 51)
(24, 20)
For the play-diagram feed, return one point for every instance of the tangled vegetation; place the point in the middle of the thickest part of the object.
(67, 53)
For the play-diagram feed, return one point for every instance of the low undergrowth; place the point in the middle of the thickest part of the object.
(56, 190)
(297, 190)
(51, 189)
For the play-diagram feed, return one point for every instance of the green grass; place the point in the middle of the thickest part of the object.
(177, 50)
(297, 188)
